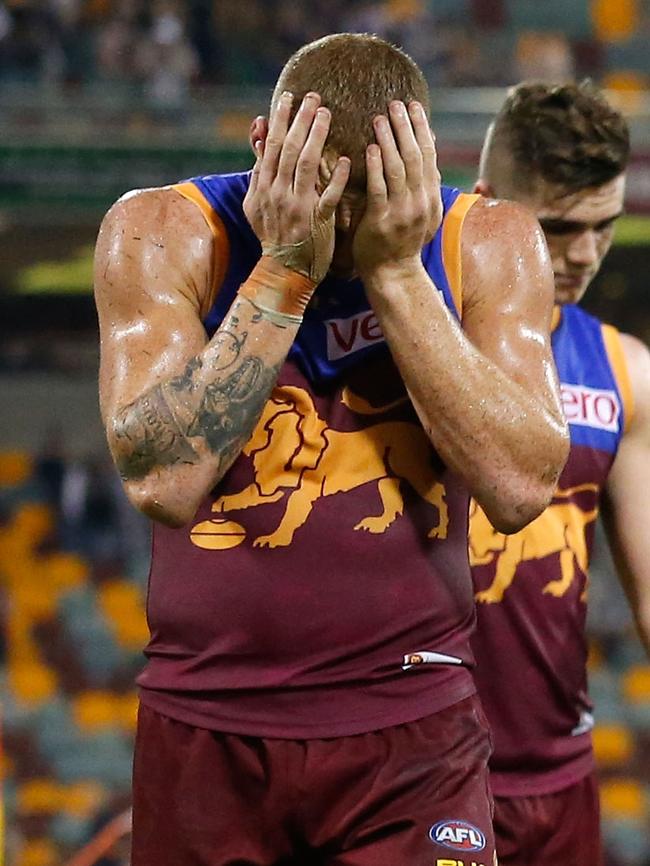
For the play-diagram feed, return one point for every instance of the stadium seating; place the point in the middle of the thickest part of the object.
(614, 20)
(71, 647)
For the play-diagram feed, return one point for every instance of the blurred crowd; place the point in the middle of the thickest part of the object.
(168, 46)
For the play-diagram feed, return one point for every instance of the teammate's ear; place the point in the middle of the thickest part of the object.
(258, 131)
(482, 187)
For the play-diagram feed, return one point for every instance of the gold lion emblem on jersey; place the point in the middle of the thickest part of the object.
(296, 454)
(558, 530)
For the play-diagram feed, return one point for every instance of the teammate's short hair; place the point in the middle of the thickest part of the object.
(568, 135)
(356, 75)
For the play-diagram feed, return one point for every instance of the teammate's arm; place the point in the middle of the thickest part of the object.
(487, 395)
(178, 408)
(625, 512)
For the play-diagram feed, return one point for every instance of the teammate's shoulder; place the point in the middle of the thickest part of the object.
(502, 219)
(637, 363)
(636, 351)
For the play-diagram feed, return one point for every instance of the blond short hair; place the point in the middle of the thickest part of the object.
(356, 75)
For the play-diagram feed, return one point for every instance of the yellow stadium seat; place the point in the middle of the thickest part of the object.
(613, 745)
(636, 684)
(627, 85)
(93, 710)
(32, 523)
(35, 600)
(16, 561)
(622, 798)
(614, 20)
(123, 606)
(83, 799)
(39, 852)
(40, 796)
(22, 646)
(32, 682)
(65, 571)
(15, 468)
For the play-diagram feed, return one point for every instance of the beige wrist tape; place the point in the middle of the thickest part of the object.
(280, 294)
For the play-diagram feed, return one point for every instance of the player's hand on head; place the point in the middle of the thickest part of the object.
(404, 207)
(291, 216)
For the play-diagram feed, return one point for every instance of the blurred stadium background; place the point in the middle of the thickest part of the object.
(100, 96)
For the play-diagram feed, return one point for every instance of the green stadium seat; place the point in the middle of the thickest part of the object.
(87, 628)
(105, 757)
(632, 55)
(628, 837)
(70, 832)
(54, 729)
(571, 18)
(457, 11)
(604, 690)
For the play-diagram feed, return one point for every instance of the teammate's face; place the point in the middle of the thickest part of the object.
(579, 229)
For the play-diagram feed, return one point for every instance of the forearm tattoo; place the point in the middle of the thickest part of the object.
(216, 401)
(149, 436)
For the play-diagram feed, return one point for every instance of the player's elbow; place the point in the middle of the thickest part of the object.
(161, 503)
(521, 501)
(513, 515)
(529, 490)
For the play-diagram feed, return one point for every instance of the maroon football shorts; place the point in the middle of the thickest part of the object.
(550, 829)
(410, 795)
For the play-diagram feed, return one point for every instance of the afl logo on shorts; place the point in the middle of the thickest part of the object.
(458, 835)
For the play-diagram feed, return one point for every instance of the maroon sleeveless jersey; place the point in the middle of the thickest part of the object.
(531, 587)
(323, 589)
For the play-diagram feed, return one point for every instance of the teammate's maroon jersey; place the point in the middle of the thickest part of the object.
(530, 642)
(324, 588)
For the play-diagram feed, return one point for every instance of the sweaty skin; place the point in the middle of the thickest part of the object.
(178, 409)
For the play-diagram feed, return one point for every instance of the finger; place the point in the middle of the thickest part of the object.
(278, 126)
(332, 193)
(407, 144)
(255, 174)
(307, 167)
(427, 143)
(394, 171)
(296, 137)
(377, 190)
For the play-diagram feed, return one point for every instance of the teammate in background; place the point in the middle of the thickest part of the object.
(287, 392)
(563, 151)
